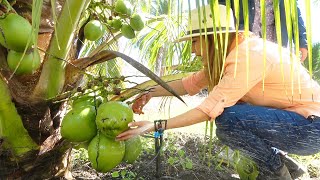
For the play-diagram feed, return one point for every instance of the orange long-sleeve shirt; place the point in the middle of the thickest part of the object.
(281, 82)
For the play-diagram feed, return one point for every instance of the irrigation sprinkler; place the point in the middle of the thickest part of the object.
(158, 137)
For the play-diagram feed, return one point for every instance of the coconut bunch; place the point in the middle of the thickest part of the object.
(17, 36)
(121, 20)
(94, 124)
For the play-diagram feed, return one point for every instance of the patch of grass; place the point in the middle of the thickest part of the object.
(79, 156)
(311, 162)
(125, 175)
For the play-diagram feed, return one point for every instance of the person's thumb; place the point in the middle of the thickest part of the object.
(136, 124)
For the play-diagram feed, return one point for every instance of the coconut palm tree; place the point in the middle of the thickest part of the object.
(33, 105)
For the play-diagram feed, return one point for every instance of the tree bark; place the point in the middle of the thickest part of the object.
(41, 119)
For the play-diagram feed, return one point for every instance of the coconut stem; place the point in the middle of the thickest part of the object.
(146, 85)
(53, 74)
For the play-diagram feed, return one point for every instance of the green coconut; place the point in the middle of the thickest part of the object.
(16, 33)
(79, 125)
(127, 31)
(113, 118)
(93, 30)
(105, 153)
(120, 7)
(136, 22)
(21, 63)
(133, 149)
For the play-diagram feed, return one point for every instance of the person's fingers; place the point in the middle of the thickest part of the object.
(136, 124)
(139, 104)
(136, 107)
(304, 53)
(148, 97)
(128, 134)
(141, 128)
(143, 100)
(137, 110)
(123, 137)
(303, 57)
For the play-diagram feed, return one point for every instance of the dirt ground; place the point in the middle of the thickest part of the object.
(183, 148)
(183, 152)
(181, 159)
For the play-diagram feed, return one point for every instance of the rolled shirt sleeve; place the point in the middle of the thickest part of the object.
(194, 83)
(232, 87)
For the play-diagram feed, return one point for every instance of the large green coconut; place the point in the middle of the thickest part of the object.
(115, 24)
(93, 30)
(136, 22)
(15, 32)
(26, 63)
(104, 153)
(127, 31)
(122, 7)
(113, 118)
(79, 125)
(133, 149)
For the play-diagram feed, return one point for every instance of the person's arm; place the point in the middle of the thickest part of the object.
(177, 86)
(190, 85)
(229, 90)
(156, 91)
(232, 87)
(188, 118)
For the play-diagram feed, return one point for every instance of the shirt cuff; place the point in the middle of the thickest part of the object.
(213, 106)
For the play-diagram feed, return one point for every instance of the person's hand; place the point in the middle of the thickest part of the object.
(140, 102)
(304, 53)
(136, 128)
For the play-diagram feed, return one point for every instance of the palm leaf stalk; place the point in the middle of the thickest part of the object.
(237, 16)
(146, 86)
(246, 33)
(294, 16)
(293, 34)
(278, 34)
(147, 72)
(309, 28)
(315, 62)
(214, 68)
(210, 69)
(53, 74)
(15, 137)
(276, 10)
(79, 64)
(264, 37)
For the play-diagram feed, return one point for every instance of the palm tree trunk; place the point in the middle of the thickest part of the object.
(30, 141)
